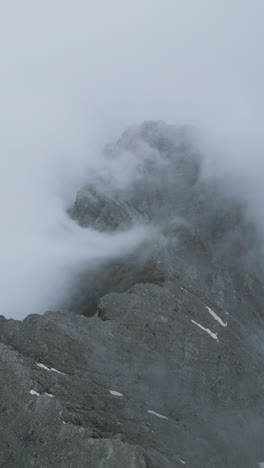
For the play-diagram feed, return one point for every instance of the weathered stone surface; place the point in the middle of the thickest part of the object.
(203, 231)
(144, 345)
(169, 371)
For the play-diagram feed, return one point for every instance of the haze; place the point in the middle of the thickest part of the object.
(73, 76)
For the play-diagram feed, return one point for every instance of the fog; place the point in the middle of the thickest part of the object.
(73, 76)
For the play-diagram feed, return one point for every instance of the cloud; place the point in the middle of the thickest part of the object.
(75, 75)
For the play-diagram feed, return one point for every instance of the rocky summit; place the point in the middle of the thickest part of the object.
(155, 360)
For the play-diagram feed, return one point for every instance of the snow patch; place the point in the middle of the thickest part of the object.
(113, 392)
(182, 461)
(157, 414)
(216, 317)
(33, 392)
(185, 290)
(55, 370)
(213, 335)
(42, 366)
(261, 464)
(50, 369)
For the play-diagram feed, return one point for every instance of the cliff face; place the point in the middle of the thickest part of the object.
(200, 228)
(168, 371)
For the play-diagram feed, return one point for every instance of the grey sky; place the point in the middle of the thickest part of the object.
(75, 74)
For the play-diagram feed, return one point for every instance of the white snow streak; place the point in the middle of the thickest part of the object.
(213, 335)
(113, 392)
(55, 370)
(33, 392)
(48, 368)
(182, 461)
(157, 414)
(216, 317)
(42, 366)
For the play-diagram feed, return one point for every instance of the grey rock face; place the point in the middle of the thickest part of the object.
(202, 228)
(169, 371)
(154, 379)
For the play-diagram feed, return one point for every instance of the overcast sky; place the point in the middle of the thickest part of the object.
(75, 74)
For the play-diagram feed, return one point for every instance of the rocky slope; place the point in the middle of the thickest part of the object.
(157, 359)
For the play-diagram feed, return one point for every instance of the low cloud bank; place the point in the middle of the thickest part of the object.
(73, 78)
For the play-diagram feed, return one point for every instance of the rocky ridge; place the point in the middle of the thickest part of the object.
(156, 360)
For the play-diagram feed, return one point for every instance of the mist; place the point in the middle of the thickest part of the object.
(74, 75)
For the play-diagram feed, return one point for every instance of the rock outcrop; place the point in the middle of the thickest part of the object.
(158, 360)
